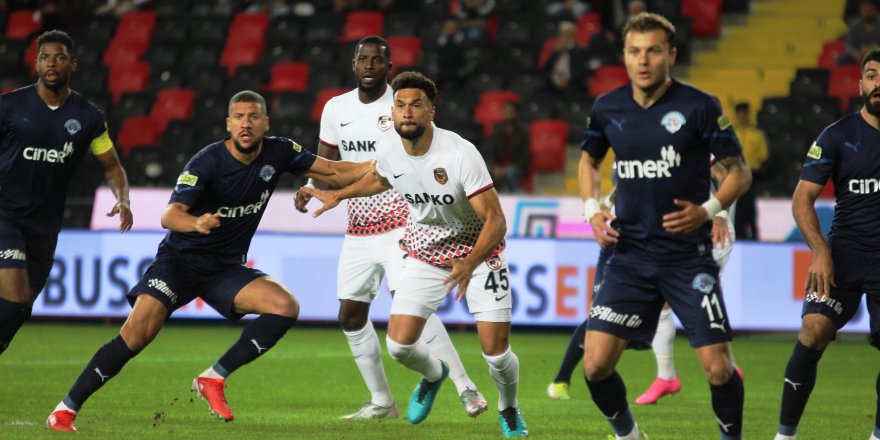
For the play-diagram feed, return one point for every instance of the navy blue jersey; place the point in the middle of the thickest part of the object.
(848, 151)
(216, 182)
(661, 153)
(40, 149)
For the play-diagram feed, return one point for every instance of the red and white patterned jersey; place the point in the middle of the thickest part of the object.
(437, 187)
(355, 129)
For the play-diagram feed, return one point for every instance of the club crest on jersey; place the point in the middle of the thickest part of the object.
(704, 283)
(385, 122)
(72, 126)
(440, 176)
(494, 263)
(267, 172)
(673, 121)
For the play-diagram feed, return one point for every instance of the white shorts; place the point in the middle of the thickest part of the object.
(420, 290)
(721, 255)
(363, 262)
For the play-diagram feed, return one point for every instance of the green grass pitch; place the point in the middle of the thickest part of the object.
(301, 387)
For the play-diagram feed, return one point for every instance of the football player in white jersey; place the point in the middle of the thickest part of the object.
(455, 241)
(351, 126)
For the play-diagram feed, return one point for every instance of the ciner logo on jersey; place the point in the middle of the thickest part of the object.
(241, 211)
(651, 169)
(434, 199)
(359, 146)
(48, 154)
(864, 186)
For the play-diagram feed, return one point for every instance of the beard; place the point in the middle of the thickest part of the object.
(872, 108)
(411, 135)
(246, 150)
(59, 83)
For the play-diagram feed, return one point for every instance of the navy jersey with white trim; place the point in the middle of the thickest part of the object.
(216, 182)
(40, 149)
(661, 153)
(848, 152)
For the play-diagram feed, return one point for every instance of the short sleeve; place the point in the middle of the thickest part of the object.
(328, 134)
(475, 176)
(383, 167)
(717, 131)
(818, 165)
(594, 142)
(299, 159)
(191, 183)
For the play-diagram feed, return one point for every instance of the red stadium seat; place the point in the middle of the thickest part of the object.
(324, 95)
(359, 24)
(136, 26)
(587, 26)
(546, 51)
(30, 57)
(248, 29)
(23, 23)
(237, 54)
(548, 140)
(172, 105)
(844, 83)
(124, 53)
(128, 79)
(289, 76)
(606, 79)
(138, 131)
(488, 111)
(706, 16)
(406, 51)
(831, 50)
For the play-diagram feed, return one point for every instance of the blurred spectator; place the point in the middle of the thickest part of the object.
(851, 10)
(754, 146)
(507, 151)
(275, 8)
(863, 34)
(566, 68)
(567, 10)
(120, 7)
(474, 16)
(607, 46)
(452, 69)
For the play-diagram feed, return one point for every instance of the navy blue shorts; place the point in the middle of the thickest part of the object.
(855, 273)
(174, 282)
(633, 291)
(21, 248)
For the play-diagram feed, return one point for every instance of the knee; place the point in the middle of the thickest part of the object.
(718, 373)
(398, 352)
(596, 369)
(816, 333)
(137, 337)
(351, 320)
(286, 306)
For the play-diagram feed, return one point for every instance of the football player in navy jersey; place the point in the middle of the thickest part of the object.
(847, 264)
(46, 130)
(212, 216)
(663, 133)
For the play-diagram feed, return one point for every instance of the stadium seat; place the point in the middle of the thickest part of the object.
(488, 111)
(402, 23)
(11, 52)
(809, 83)
(171, 105)
(815, 114)
(172, 30)
(294, 106)
(236, 55)
(606, 79)
(776, 113)
(289, 76)
(587, 26)
(285, 31)
(831, 50)
(323, 28)
(23, 23)
(548, 139)
(135, 27)
(323, 96)
(844, 83)
(125, 79)
(138, 131)
(405, 50)
(706, 16)
(359, 24)
(546, 51)
(30, 57)
(515, 30)
(124, 53)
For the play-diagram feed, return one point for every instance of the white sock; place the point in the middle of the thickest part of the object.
(635, 434)
(364, 345)
(211, 373)
(416, 357)
(874, 437)
(62, 407)
(437, 339)
(504, 370)
(662, 345)
(787, 437)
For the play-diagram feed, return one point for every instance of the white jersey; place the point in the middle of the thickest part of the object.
(354, 128)
(437, 187)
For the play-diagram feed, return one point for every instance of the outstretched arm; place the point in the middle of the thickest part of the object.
(338, 173)
(370, 184)
(177, 218)
(115, 175)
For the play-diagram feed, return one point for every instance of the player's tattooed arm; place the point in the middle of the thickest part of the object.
(736, 182)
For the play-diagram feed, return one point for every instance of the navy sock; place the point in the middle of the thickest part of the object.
(727, 401)
(800, 377)
(573, 354)
(610, 396)
(257, 338)
(106, 363)
(12, 317)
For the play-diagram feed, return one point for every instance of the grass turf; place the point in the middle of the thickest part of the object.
(301, 387)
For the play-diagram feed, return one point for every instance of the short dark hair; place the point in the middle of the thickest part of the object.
(415, 80)
(247, 96)
(873, 55)
(648, 21)
(56, 36)
(742, 107)
(374, 39)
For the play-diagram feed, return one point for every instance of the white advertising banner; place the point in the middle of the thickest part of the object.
(763, 283)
